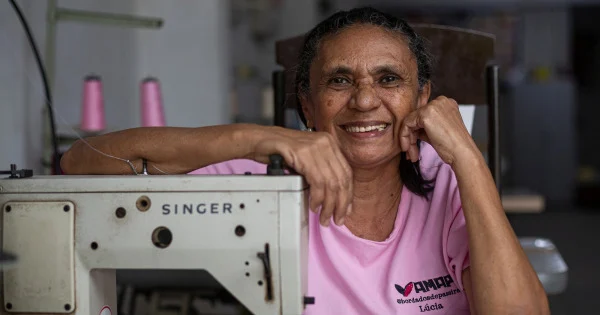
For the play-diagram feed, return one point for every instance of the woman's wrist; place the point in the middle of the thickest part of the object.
(468, 159)
(246, 137)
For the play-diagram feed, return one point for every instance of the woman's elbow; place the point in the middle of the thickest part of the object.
(68, 163)
(542, 307)
(537, 305)
(540, 300)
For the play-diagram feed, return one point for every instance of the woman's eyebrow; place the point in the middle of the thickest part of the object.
(387, 69)
(337, 70)
(377, 70)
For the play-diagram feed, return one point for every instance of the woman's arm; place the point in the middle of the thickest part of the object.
(500, 279)
(172, 150)
(315, 155)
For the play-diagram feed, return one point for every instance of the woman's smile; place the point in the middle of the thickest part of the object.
(365, 129)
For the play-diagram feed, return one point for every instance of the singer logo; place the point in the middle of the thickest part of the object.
(200, 208)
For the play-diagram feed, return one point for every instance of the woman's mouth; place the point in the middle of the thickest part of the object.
(366, 130)
(380, 127)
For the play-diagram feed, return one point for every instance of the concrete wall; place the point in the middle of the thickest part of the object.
(291, 18)
(190, 55)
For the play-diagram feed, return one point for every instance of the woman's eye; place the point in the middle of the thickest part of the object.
(389, 79)
(339, 81)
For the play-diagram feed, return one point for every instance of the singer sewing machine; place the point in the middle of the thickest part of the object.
(71, 233)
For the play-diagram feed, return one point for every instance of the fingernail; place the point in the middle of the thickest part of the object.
(340, 222)
(349, 211)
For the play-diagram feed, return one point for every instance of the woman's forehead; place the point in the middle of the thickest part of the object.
(365, 46)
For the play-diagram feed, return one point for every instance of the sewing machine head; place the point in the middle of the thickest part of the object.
(70, 234)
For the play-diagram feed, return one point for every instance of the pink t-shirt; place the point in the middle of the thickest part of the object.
(416, 270)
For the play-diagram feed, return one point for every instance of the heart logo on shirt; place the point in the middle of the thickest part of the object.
(406, 290)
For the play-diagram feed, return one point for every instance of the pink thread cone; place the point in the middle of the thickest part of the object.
(151, 103)
(92, 114)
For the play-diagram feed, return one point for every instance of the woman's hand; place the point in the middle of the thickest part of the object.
(316, 156)
(440, 124)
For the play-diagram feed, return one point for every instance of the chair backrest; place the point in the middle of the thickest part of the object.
(463, 70)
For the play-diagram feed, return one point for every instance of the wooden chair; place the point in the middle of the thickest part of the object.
(463, 70)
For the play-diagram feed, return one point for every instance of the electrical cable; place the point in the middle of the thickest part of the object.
(56, 156)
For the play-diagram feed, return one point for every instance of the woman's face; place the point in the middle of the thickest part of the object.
(363, 82)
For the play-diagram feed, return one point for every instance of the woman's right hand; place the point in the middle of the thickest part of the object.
(316, 156)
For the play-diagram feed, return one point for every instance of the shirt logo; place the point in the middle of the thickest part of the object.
(431, 301)
(406, 290)
(425, 285)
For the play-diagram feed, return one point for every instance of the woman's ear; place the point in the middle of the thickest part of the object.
(307, 110)
(424, 94)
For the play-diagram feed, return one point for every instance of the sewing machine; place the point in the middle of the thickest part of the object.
(71, 233)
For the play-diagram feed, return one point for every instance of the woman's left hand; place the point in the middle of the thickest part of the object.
(440, 124)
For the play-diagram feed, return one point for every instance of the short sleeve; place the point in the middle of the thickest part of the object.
(456, 238)
(233, 167)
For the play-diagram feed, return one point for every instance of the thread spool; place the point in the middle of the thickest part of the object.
(92, 114)
(151, 103)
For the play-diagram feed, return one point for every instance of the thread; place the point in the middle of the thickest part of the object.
(92, 114)
(59, 116)
(71, 129)
(151, 103)
(98, 151)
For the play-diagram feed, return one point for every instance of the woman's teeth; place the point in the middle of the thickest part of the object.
(366, 129)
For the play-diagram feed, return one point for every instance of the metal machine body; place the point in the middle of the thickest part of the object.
(71, 233)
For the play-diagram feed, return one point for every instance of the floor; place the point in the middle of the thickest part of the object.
(576, 234)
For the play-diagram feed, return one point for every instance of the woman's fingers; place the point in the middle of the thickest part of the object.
(440, 124)
(340, 188)
(319, 159)
(327, 208)
(336, 173)
(409, 133)
(331, 177)
(346, 193)
(316, 182)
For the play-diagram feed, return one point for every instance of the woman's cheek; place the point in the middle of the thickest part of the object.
(329, 106)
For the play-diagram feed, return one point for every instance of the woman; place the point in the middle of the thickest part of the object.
(418, 226)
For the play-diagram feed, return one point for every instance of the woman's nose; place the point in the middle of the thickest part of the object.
(365, 98)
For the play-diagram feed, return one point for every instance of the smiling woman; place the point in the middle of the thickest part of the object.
(393, 70)
(418, 222)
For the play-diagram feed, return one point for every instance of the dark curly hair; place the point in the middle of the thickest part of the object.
(409, 172)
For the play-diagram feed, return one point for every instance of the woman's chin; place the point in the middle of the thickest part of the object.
(374, 159)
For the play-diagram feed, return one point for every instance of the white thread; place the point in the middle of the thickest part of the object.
(158, 169)
(98, 151)
(56, 114)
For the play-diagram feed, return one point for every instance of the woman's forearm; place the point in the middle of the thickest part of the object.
(503, 280)
(168, 149)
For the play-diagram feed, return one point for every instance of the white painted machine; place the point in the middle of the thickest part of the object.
(71, 233)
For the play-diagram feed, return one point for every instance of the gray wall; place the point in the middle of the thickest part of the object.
(291, 18)
(541, 126)
(544, 148)
(13, 113)
(190, 55)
